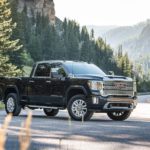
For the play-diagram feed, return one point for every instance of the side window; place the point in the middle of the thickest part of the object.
(57, 71)
(42, 70)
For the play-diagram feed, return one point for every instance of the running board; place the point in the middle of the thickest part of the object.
(38, 106)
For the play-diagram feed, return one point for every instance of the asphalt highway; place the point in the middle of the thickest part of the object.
(100, 133)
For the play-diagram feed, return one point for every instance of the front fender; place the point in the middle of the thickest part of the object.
(75, 87)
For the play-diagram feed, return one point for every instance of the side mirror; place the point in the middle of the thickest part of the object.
(56, 75)
(111, 73)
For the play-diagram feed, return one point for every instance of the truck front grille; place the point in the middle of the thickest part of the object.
(118, 88)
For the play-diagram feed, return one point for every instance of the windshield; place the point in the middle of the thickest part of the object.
(84, 69)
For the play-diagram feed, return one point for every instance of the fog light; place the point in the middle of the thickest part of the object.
(95, 100)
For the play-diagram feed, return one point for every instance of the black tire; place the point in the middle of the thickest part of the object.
(88, 114)
(12, 104)
(119, 116)
(50, 112)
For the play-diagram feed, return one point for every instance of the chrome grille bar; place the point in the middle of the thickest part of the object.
(118, 88)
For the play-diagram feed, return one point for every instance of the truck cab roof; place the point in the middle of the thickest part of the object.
(59, 61)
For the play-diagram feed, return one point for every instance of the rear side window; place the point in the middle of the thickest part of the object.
(42, 70)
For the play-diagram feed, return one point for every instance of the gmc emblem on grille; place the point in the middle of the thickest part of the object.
(120, 85)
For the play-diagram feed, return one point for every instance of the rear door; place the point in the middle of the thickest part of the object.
(39, 87)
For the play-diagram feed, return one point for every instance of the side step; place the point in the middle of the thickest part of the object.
(42, 107)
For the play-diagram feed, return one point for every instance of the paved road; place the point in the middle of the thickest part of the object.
(98, 134)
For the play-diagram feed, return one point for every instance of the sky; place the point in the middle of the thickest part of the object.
(104, 12)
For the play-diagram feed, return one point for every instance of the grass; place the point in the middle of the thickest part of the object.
(3, 131)
(24, 135)
(2, 106)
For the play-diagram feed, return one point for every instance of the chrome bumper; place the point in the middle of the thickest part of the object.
(115, 103)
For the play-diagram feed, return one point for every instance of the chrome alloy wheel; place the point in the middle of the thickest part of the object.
(79, 108)
(10, 105)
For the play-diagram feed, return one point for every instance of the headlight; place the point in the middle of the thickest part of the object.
(95, 85)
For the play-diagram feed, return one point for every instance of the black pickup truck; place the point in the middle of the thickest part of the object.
(80, 87)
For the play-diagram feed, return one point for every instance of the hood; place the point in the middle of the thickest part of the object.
(103, 78)
(116, 78)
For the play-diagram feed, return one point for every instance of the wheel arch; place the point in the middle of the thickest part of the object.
(75, 90)
(11, 89)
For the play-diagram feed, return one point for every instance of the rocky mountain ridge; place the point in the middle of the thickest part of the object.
(43, 7)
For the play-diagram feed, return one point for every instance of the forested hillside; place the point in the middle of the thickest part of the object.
(66, 40)
(26, 38)
(135, 40)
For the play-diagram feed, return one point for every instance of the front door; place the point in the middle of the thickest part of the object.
(58, 84)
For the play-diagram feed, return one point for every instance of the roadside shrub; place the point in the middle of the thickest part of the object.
(143, 86)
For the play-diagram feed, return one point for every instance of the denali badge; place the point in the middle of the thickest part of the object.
(120, 85)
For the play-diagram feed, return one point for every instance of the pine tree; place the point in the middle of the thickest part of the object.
(35, 48)
(6, 43)
(85, 47)
(92, 34)
(123, 63)
(71, 36)
(128, 67)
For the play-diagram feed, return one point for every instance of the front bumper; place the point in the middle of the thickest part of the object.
(111, 103)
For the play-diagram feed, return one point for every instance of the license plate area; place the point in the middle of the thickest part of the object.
(119, 105)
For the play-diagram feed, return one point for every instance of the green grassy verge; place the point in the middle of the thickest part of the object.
(2, 105)
(27, 70)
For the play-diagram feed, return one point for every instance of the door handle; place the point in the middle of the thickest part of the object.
(31, 81)
(48, 81)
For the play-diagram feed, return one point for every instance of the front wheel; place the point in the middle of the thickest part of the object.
(77, 108)
(12, 104)
(119, 115)
(50, 112)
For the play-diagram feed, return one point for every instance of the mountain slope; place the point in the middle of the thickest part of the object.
(140, 45)
(134, 39)
(100, 30)
(122, 34)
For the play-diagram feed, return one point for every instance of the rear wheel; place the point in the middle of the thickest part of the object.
(50, 112)
(119, 115)
(12, 104)
(77, 108)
